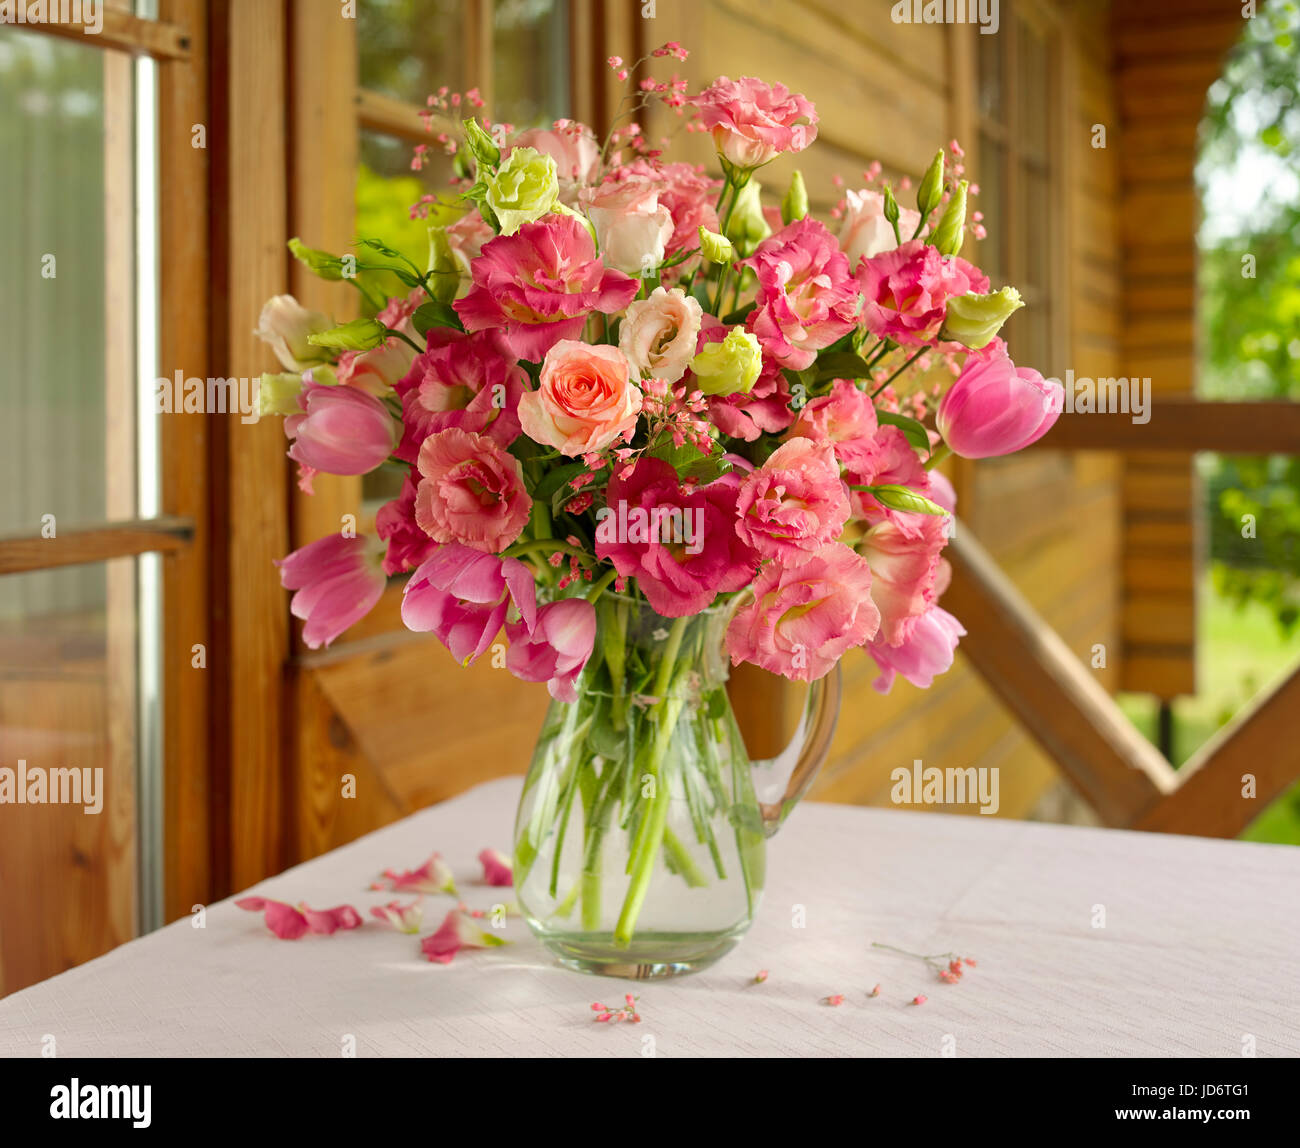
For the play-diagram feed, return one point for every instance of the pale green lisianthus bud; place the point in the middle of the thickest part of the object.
(444, 271)
(973, 320)
(359, 335)
(278, 394)
(795, 204)
(558, 208)
(748, 227)
(951, 232)
(480, 144)
(524, 188)
(715, 248)
(930, 191)
(321, 263)
(729, 367)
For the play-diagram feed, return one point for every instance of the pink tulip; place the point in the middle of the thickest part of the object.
(289, 922)
(344, 430)
(337, 581)
(923, 655)
(464, 596)
(997, 408)
(557, 649)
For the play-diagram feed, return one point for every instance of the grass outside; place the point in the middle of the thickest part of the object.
(1240, 652)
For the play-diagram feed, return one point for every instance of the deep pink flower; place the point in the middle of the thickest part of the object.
(924, 654)
(337, 582)
(906, 291)
(465, 381)
(343, 430)
(497, 868)
(289, 922)
(457, 932)
(408, 544)
(434, 876)
(556, 649)
(794, 503)
(471, 491)
(540, 284)
(997, 408)
(804, 615)
(403, 918)
(464, 596)
(636, 532)
(903, 552)
(753, 122)
(807, 297)
(845, 419)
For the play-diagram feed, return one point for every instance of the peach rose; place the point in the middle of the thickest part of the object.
(584, 401)
(658, 334)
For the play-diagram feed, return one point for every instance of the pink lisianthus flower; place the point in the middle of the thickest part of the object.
(888, 460)
(632, 226)
(289, 922)
(685, 191)
(464, 596)
(336, 582)
(471, 491)
(342, 430)
(997, 408)
(637, 532)
(906, 291)
(753, 122)
(924, 654)
(497, 868)
(806, 297)
(465, 381)
(434, 876)
(407, 544)
(574, 148)
(585, 399)
(845, 419)
(805, 614)
(556, 649)
(403, 918)
(378, 370)
(903, 552)
(540, 284)
(865, 232)
(398, 312)
(457, 932)
(466, 237)
(794, 503)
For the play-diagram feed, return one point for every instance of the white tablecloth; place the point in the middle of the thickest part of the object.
(1198, 953)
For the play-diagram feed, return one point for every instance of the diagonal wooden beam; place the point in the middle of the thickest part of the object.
(1227, 783)
(1052, 694)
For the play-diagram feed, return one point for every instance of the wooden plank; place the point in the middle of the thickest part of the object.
(1235, 774)
(379, 113)
(120, 31)
(1050, 691)
(1185, 425)
(167, 534)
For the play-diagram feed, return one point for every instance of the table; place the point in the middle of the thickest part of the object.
(1195, 954)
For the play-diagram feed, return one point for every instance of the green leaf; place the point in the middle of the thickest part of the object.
(358, 335)
(915, 433)
(689, 462)
(434, 314)
(558, 477)
(841, 365)
(740, 314)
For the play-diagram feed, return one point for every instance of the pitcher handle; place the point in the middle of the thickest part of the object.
(795, 767)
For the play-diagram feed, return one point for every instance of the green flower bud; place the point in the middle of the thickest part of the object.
(715, 248)
(444, 271)
(524, 188)
(951, 232)
(930, 192)
(480, 144)
(973, 320)
(321, 263)
(729, 367)
(795, 204)
(359, 335)
(278, 394)
(748, 227)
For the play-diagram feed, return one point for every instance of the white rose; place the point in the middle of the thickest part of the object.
(632, 227)
(866, 232)
(658, 333)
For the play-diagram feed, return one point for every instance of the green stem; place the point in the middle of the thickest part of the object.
(942, 451)
(683, 860)
(898, 372)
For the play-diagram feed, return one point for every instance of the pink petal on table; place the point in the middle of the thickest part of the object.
(289, 922)
(457, 932)
(434, 876)
(403, 918)
(497, 868)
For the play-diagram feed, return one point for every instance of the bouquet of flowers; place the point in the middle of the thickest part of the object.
(621, 388)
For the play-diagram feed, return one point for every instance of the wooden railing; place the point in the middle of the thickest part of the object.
(1129, 783)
